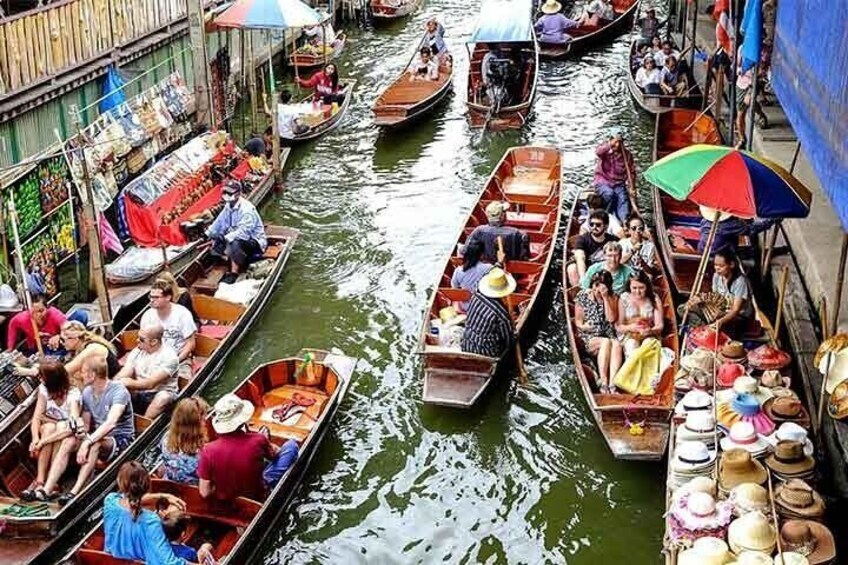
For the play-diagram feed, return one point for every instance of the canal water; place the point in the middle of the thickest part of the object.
(525, 478)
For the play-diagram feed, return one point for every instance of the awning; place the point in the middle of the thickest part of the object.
(504, 21)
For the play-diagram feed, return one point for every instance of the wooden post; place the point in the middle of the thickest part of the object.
(204, 116)
(784, 276)
(769, 250)
(694, 32)
(749, 126)
(275, 126)
(840, 283)
(251, 77)
(92, 231)
(702, 268)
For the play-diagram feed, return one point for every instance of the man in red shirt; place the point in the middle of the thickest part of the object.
(48, 321)
(232, 465)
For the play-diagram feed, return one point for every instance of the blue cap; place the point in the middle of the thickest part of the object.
(616, 132)
(746, 405)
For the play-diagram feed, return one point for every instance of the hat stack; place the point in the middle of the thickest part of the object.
(744, 384)
(810, 539)
(796, 499)
(733, 352)
(749, 497)
(700, 425)
(696, 370)
(696, 515)
(697, 484)
(790, 431)
(706, 551)
(753, 558)
(773, 378)
(790, 558)
(691, 459)
(768, 357)
(705, 336)
(737, 467)
(790, 462)
(694, 401)
(786, 409)
(743, 436)
(752, 532)
(727, 374)
(744, 408)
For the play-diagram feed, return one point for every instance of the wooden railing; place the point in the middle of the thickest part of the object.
(40, 44)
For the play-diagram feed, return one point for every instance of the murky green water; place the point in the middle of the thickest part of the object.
(525, 478)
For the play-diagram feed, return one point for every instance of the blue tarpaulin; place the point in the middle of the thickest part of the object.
(752, 29)
(810, 77)
(505, 21)
(113, 90)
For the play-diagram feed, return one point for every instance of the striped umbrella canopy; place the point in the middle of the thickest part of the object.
(268, 14)
(731, 180)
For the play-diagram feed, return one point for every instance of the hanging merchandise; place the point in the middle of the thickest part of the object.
(41, 261)
(54, 179)
(113, 90)
(61, 229)
(26, 193)
(224, 93)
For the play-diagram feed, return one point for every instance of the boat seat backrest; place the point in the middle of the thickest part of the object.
(87, 556)
(205, 346)
(236, 513)
(128, 339)
(221, 311)
(250, 391)
(141, 423)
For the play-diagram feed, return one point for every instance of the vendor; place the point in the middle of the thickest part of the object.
(326, 85)
(41, 317)
(730, 282)
(237, 232)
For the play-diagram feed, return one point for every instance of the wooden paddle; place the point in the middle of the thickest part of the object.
(631, 184)
(523, 379)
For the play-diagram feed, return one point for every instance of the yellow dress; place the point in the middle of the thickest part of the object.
(641, 372)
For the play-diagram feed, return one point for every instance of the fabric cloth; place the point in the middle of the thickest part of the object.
(552, 28)
(239, 221)
(646, 251)
(179, 467)
(595, 315)
(641, 372)
(183, 551)
(739, 288)
(275, 470)
(109, 240)
(516, 243)
(488, 328)
(178, 326)
(59, 412)
(594, 250)
(644, 77)
(145, 364)
(99, 406)
(21, 324)
(234, 463)
(430, 69)
(142, 539)
(619, 278)
(469, 279)
(610, 166)
(752, 33)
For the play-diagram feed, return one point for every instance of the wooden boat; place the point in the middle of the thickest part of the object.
(406, 99)
(236, 529)
(585, 37)
(529, 178)
(391, 10)
(612, 411)
(510, 24)
(678, 223)
(225, 324)
(329, 123)
(303, 59)
(658, 103)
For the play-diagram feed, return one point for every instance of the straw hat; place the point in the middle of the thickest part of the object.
(789, 459)
(743, 436)
(746, 385)
(551, 7)
(796, 499)
(811, 539)
(837, 404)
(773, 379)
(231, 412)
(786, 409)
(705, 336)
(728, 373)
(692, 456)
(699, 425)
(698, 511)
(752, 532)
(790, 431)
(710, 214)
(701, 359)
(496, 209)
(694, 400)
(790, 558)
(497, 283)
(749, 497)
(744, 407)
(737, 466)
(706, 551)
(697, 484)
(753, 558)
(733, 351)
(834, 352)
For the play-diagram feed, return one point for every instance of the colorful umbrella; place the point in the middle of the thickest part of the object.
(731, 180)
(269, 14)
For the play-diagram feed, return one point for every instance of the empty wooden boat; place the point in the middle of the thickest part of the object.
(408, 98)
(529, 179)
(331, 120)
(306, 59)
(586, 36)
(235, 529)
(391, 10)
(29, 528)
(658, 103)
(614, 412)
(507, 102)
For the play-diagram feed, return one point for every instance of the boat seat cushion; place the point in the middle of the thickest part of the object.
(215, 331)
(528, 186)
(526, 220)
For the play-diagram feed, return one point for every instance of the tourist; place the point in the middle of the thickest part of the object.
(56, 418)
(613, 167)
(107, 405)
(288, 122)
(321, 38)
(656, 46)
(637, 250)
(426, 67)
(553, 25)
(489, 329)
(674, 81)
(233, 464)
(175, 524)
(665, 51)
(595, 313)
(516, 243)
(434, 38)
(237, 233)
(179, 295)
(640, 313)
(131, 531)
(597, 13)
(730, 282)
(649, 27)
(467, 276)
(180, 332)
(588, 247)
(326, 84)
(649, 77)
(150, 372)
(255, 146)
(183, 441)
(637, 57)
(612, 264)
(595, 202)
(41, 317)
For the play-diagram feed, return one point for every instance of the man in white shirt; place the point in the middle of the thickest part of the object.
(178, 326)
(150, 372)
(666, 51)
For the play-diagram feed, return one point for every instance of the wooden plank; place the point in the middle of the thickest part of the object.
(26, 76)
(65, 36)
(41, 61)
(56, 41)
(86, 13)
(4, 60)
(13, 56)
(48, 47)
(76, 26)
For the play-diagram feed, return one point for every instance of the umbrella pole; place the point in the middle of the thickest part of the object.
(275, 126)
(784, 276)
(840, 283)
(324, 36)
(702, 268)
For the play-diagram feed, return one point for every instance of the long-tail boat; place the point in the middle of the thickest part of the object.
(508, 23)
(30, 528)
(329, 122)
(615, 412)
(587, 36)
(658, 103)
(529, 178)
(308, 59)
(407, 99)
(236, 528)
(385, 11)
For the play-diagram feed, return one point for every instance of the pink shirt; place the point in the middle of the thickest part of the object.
(21, 324)
(610, 168)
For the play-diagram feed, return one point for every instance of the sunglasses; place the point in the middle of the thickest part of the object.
(596, 224)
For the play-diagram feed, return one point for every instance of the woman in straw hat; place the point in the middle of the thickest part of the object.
(552, 26)
(489, 329)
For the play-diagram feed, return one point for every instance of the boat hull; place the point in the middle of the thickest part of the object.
(328, 125)
(586, 38)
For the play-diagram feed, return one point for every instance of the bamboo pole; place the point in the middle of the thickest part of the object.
(820, 412)
(784, 276)
(769, 250)
(275, 126)
(774, 515)
(699, 116)
(702, 268)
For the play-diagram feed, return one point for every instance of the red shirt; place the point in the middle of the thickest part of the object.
(21, 324)
(234, 463)
(321, 82)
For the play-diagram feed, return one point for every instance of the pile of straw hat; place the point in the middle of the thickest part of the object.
(745, 384)
(744, 408)
(797, 499)
(697, 514)
(691, 459)
(737, 467)
(752, 532)
(811, 539)
(786, 409)
(694, 401)
(790, 431)
(700, 425)
(743, 436)
(790, 462)
(749, 497)
(706, 551)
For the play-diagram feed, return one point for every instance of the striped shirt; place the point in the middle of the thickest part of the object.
(488, 329)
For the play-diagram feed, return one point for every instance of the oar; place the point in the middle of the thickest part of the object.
(699, 116)
(519, 359)
(631, 184)
(702, 268)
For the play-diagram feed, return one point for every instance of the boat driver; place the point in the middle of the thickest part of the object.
(237, 233)
(497, 71)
